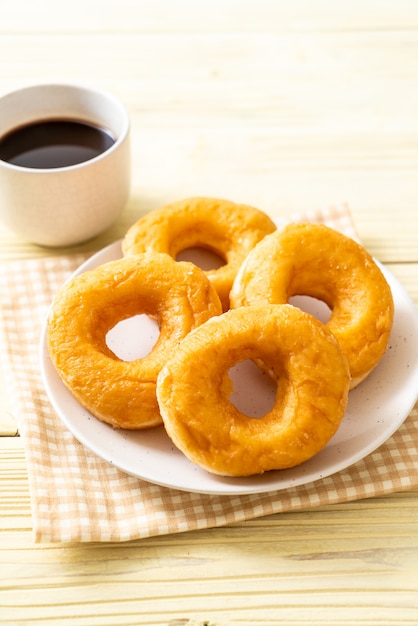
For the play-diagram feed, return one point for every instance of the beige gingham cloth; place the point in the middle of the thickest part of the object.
(77, 496)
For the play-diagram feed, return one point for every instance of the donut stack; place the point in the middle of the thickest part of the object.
(211, 320)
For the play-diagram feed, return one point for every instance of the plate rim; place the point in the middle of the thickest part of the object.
(230, 485)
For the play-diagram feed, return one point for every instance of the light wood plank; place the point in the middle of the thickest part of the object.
(288, 106)
(285, 136)
(200, 16)
(381, 198)
(274, 70)
(307, 564)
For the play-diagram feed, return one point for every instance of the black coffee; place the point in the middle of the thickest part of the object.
(54, 143)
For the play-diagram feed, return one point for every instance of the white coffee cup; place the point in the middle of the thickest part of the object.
(66, 205)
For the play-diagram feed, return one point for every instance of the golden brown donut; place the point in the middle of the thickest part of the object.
(177, 295)
(315, 260)
(230, 230)
(193, 391)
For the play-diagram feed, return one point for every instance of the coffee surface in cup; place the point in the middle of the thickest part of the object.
(50, 144)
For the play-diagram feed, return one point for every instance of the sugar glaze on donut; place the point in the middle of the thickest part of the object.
(315, 260)
(121, 393)
(226, 228)
(194, 390)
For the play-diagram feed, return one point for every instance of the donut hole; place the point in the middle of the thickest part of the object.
(254, 391)
(317, 308)
(133, 338)
(202, 257)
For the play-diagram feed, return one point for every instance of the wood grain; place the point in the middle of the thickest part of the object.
(288, 106)
(356, 559)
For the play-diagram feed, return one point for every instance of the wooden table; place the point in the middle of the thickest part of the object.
(287, 106)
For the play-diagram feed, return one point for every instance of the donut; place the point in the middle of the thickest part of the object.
(225, 228)
(121, 393)
(194, 388)
(317, 261)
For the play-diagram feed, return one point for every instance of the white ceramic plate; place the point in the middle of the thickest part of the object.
(375, 410)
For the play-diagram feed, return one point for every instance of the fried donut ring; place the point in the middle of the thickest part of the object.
(315, 260)
(118, 392)
(193, 391)
(230, 230)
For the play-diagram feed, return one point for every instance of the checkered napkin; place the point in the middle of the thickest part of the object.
(77, 496)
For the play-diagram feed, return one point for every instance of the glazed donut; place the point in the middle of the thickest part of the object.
(315, 260)
(194, 387)
(230, 230)
(122, 393)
